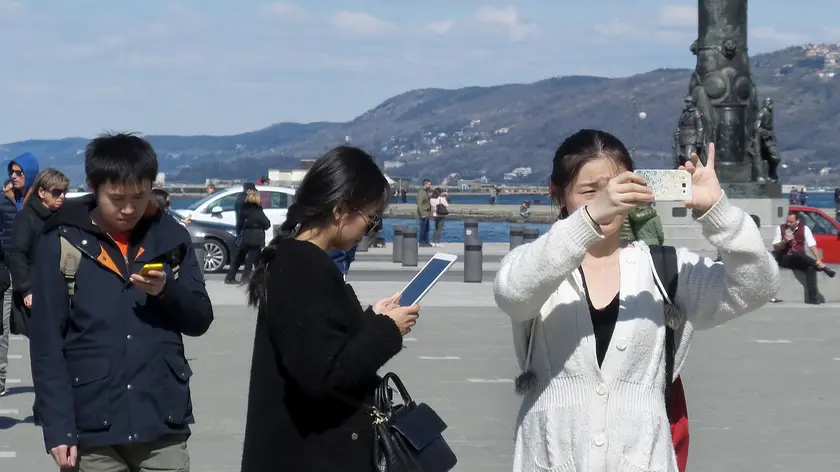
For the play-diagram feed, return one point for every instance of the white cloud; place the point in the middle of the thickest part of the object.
(507, 19)
(441, 27)
(283, 11)
(775, 36)
(358, 23)
(618, 28)
(678, 15)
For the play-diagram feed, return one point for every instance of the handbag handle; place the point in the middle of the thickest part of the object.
(382, 400)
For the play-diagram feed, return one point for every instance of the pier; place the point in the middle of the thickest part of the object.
(479, 212)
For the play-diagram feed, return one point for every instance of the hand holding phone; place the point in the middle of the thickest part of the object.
(617, 196)
(151, 279)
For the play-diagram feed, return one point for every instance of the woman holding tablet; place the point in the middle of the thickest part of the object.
(588, 317)
(316, 350)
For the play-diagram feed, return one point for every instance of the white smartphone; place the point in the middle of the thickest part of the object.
(668, 185)
(426, 278)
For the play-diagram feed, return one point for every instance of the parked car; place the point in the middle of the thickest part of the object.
(826, 231)
(218, 206)
(219, 243)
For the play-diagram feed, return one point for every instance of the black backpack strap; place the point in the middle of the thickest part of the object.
(667, 269)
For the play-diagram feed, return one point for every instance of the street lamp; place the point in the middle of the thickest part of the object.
(636, 115)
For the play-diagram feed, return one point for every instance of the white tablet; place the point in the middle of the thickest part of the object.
(426, 278)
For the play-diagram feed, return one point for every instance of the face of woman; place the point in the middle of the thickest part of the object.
(353, 225)
(590, 182)
(52, 198)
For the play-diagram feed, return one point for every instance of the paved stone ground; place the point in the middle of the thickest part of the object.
(761, 390)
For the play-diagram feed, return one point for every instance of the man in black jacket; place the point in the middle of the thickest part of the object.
(109, 369)
(22, 171)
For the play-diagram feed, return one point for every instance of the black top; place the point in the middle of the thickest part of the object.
(316, 354)
(603, 322)
(25, 236)
(253, 224)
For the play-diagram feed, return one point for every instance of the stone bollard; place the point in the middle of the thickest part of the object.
(517, 236)
(470, 232)
(397, 245)
(409, 247)
(364, 244)
(198, 248)
(530, 235)
(473, 260)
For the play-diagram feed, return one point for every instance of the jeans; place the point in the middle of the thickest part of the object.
(438, 229)
(424, 231)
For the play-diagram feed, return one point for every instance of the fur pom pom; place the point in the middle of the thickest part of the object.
(525, 382)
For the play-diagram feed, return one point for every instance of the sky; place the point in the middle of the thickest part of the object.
(80, 67)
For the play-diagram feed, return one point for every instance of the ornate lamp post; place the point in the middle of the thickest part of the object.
(640, 115)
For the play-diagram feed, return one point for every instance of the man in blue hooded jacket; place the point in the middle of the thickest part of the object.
(22, 171)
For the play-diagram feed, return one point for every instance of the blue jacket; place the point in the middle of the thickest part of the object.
(11, 202)
(111, 369)
(343, 259)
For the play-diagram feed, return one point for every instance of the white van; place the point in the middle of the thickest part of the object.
(218, 207)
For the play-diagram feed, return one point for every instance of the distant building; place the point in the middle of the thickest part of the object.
(470, 185)
(290, 177)
(518, 173)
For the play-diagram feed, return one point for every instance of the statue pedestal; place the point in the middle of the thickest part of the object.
(682, 231)
(753, 190)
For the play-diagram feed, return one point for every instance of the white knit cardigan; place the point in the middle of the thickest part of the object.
(582, 417)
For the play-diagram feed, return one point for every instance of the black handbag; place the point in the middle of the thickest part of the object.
(408, 437)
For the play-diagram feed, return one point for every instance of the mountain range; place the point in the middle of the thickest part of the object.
(490, 131)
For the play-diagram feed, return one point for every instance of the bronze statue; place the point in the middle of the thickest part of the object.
(724, 96)
(690, 135)
(701, 100)
(764, 142)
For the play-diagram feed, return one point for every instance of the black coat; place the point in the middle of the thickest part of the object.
(254, 225)
(111, 370)
(8, 213)
(26, 234)
(316, 353)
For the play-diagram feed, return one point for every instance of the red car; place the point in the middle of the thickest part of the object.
(826, 231)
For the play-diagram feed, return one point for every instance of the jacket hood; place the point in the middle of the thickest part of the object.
(29, 164)
(641, 215)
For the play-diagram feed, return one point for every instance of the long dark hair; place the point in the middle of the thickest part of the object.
(345, 176)
(578, 150)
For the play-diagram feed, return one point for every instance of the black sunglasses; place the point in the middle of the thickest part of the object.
(372, 220)
(56, 192)
(17, 173)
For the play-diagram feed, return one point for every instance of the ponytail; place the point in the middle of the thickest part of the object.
(259, 279)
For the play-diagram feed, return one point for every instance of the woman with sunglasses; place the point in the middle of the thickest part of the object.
(47, 196)
(49, 190)
(316, 350)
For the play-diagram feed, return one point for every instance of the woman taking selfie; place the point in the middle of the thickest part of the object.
(316, 350)
(588, 315)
